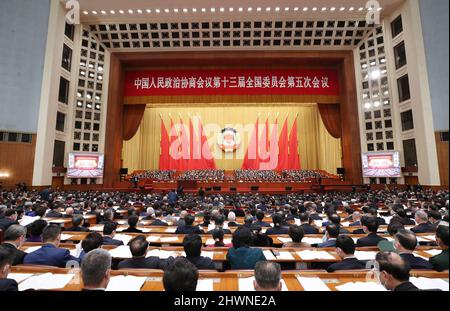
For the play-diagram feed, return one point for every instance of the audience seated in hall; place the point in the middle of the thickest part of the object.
(138, 248)
(158, 221)
(405, 241)
(423, 224)
(440, 261)
(180, 275)
(435, 218)
(132, 223)
(219, 222)
(109, 231)
(241, 255)
(260, 239)
(188, 227)
(259, 219)
(393, 272)
(345, 248)
(370, 227)
(95, 270)
(267, 277)
(296, 234)
(277, 220)
(36, 229)
(77, 224)
(400, 216)
(14, 238)
(9, 218)
(331, 234)
(388, 246)
(192, 244)
(305, 224)
(50, 254)
(6, 260)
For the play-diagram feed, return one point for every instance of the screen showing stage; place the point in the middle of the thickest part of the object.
(83, 165)
(381, 164)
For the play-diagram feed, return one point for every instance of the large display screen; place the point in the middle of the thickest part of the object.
(381, 164)
(85, 165)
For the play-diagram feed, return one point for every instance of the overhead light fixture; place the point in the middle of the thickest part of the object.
(286, 9)
(112, 12)
(268, 9)
(360, 9)
(305, 9)
(351, 9)
(231, 9)
(314, 9)
(139, 11)
(175, 10)
(277, 9)
(213, 10)
(296, 9)
(158, 11)
(250, 9)
(203, 9)
(122, 11)
(130, 11)
(85, 12)
(367, 105)
(167, 10)
(94, 12)
(375, 74)
(342, 9)
(376, 104)
(324, 9)
(258, 9)
(4, 175)
(185, 10)
(240, 9)
(103, 12)
(333, 9)
(222, 9)
(194, 10)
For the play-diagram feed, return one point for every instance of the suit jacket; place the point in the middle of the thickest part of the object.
(347, 264)
(50, 255)
(54, 214)
(110, 241)
(18, 254)
(416, 262)
(315, 216)
(132, 230)
(329, 243)
(202, 263)
(233, 224)
(188, 230)
(5, 223)
(370, 240)
(244, 257)
(8, 285)
(440, 262)
(406, 287)
(262, 224)
(159, 222)
(403, 220)
(355, 224)
(308, 229)
(78, 229)
(424, 228)
(277, 230)
(140, 263)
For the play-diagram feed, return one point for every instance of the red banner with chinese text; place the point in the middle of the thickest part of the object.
(232, 82)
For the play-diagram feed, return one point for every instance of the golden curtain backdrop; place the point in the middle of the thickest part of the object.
(317, 148)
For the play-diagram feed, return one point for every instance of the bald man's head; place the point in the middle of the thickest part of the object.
(394, 265)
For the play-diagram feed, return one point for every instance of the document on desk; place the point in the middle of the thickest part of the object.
(297, 221)
(284, 240)
(46, 281)
(57, 221)
(32, 249)
(208, 254)
(361, 287)
(285, 256)
(430, 237)
(96, 228)
(170, 230)
(145, 230)
(318, 223)
(360, 255)
(26, 220)
(65, 237)
(19, 277)
(312, 240)
(122, 251)
(313, 284)
(127, 283)
(153, 238)
(433, 252)
(269, 255)
(313, 255)
(205, 285)
(122, 221)
(246, 285)
(427, 283)
(123, 237)
(169, 239)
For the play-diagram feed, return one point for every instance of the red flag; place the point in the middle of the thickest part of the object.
(283, 148)
(251, 160)
(264, 152)
(164, 156)
(174, 147)
(294, 158)
(207, 161)
(271, 156)
(184, 148)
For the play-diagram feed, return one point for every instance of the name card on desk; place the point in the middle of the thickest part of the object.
(46, 281)
(312, 240)
(284, 240)
(152, 238)
(269, 255)
(162, 254)
(433, 252)
(19, 277)
(123, 237)
(315, 255)
(361, 287)
(126, 283)
(96, 228)
(65, 237)
(313, 284)
(169, 239)
(427, 283)
(360, 255)
(170, 230)
(122, 251)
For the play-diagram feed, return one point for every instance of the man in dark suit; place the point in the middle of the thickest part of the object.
(138, 247)
(259, 219)
(393, 272)
(14, 238)
(53, 213)
(6, 259)
(370, 227)
(10, 218)
(158, 221)
(356, 219)
(180, 276)
(192, 244)
(312, 211)
(77, 224)
(95, 270)
(345, 248)
(50, 254)
(218, 222)
(109, 231)
(306, 224)
(405, 243)
(373, 212)
(108, 216)
(440, 261)
(277, 228)
(132, 223)
(188, 227)
(423, 224)
(331, 234)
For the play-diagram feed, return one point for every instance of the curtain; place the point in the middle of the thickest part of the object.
(331, 117)
(132, 117)
(317, 148)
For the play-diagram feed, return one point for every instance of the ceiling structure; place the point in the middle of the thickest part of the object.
(140, 25)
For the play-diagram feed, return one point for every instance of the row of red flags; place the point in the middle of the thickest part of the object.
(184, 151)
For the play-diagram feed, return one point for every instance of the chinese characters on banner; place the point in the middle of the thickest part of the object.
(232, 82)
